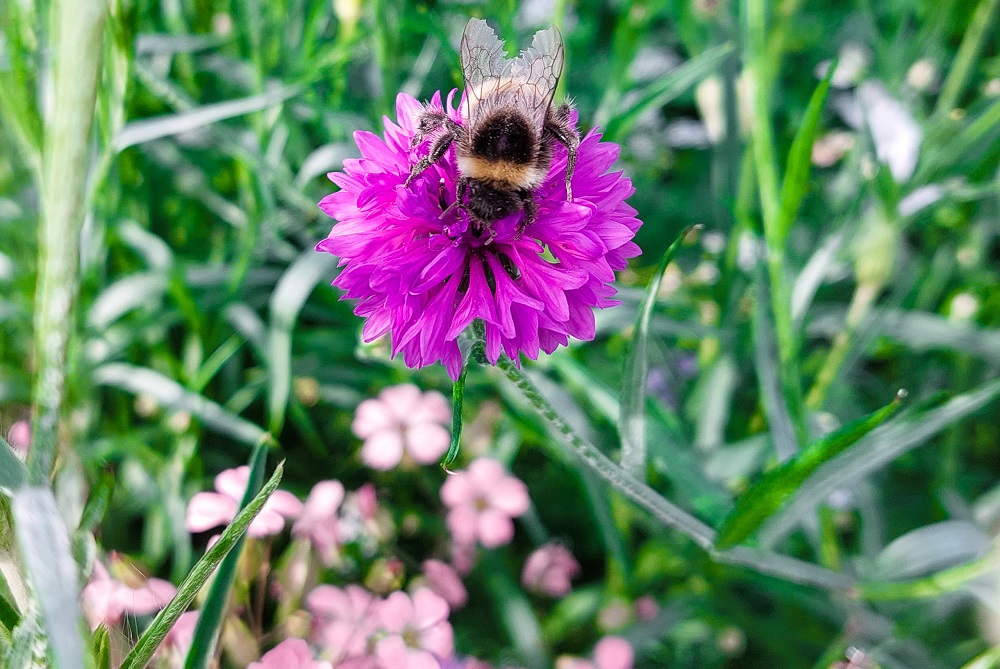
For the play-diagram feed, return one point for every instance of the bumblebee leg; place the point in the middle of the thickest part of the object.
(430, 121)
(560, 128)
(530, 212)
(460, 187)
(438, 148)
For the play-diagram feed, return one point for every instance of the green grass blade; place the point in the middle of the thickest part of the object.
(632, 412)
(171, 394)
(876, 450)
(294, 287)
(793, 188)
(965, 59)
(100, 645)
(13, 473)
(209, 626)
(669, 87)
(224, 548)
(768, 495)
(45, 550)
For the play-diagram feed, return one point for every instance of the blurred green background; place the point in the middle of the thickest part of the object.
(204, 318)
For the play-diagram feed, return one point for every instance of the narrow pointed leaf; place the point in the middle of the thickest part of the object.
(768, 495)
(13, 473)
(231, 539)
(632, 416)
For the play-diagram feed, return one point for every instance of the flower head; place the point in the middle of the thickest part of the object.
(343, 620)
(106, 600)
(611, 652)
(289, 654)
(482, 501)
(549, 570)
(211, 509)
(416, 631)
(318, 521)
(444, 580)
(403, 418)
(424, 276)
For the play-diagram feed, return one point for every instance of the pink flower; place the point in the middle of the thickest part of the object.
(403, 418)
(19, 436)
(289, 654)
(549, 570)
(445, 581)
(318, 522)
(463, 556)
(646, 608)
(482, 501)
(424, 276)
(211, 509)
(106, 600)
(611, 652)
(343, 620)
(417, 631)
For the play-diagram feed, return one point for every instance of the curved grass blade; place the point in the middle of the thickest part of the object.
(45, 549)
(231, 539)
(209, 625)
(171, 394)
(770, 493)
(457, 402)
(632, 411)
(669, 87)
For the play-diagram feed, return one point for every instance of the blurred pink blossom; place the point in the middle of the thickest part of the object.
(175, 646)
(343, 620)
(611, 652)
(211, 509)
(482, 500)
(289, 654)
(318, 522)
(646, 608)
(19, 436)
(463, 556)
(106, 600)
(549, 570)
(403, 418)
(445, 581)
(416, 630)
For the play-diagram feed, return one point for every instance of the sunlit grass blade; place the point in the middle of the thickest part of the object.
(796, 181)
(209, 625)
(876, 450)
(934, 585)
(768, 495)
(45, 550)
(667, 88)
(171, 394)
(289, 295)
(13, 473)
(632, 411)
(228, 544)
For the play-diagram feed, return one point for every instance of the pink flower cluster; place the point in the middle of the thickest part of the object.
(549, 570)
(482, 502)
(403, 424)
(208, 510)
(354, 628)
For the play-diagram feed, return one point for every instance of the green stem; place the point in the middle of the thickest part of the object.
(77, 62)
(942, 582)
(965, 60)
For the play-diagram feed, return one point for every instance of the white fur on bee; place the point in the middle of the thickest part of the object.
(502, 172)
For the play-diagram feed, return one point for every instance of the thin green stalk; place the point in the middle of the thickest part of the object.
(939, 583)
(77, 50)
(965, 60)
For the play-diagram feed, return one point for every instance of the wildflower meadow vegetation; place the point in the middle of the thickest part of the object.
(269, 400)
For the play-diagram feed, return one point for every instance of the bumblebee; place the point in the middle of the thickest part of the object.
(504, 144)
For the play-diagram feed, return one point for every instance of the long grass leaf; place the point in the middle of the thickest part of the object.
(171, 394)
(876, 450)
(13, 473)
(766, 496)
(632, 416)
(45, 549)
(209, 625)
(231, 539)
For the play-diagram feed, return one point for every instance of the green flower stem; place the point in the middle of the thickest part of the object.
(77, 50)
(667, 513)
(965, 60)
(939, 583)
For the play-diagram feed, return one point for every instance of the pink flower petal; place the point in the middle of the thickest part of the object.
(494, 528)
(152, 597)
(383, 450)
(209, 509)
(484, 473)
(372, 416)
(457, 490)
(396, 612)
(427, 442)
(233, 482)
(613, 652)
(510, 495)
(284, 503)
(402, 400)
(463, 522)
(429, 608)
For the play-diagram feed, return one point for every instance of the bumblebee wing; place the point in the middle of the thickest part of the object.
(537, 71)
(485, 67)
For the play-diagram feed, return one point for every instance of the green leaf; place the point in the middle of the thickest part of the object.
(295, 286)
(209, 625)
(793, 189)
(632, 411)
(173, 395)
(231, 539)
(768, 495)
(100, 646)
(875, 451)
(669, 87)
(45, 550)
(13, 473)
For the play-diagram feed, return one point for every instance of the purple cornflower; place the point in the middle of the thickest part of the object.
(425, 278)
